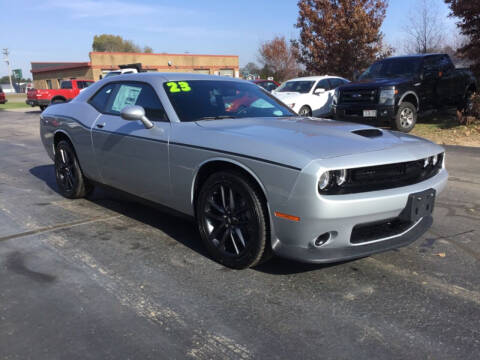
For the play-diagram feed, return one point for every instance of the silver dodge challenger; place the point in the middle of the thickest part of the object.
(257, 178)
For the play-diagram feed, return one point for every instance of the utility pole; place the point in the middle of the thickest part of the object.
(6, 53)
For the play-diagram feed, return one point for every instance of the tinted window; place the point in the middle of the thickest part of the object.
(100, 99)
(132, 93)
(394, 67)
(268, 85)
(199, 99)
(323, 84)
(83, 84)
(300, 86)
(335, 82)
(445, 63)
(66, 85)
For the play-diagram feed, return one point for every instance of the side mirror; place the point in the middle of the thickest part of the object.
(319, 91)
(134, 113)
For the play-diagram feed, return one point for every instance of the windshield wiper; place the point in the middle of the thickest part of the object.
(217, 117)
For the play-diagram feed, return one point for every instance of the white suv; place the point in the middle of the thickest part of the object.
(309, 96)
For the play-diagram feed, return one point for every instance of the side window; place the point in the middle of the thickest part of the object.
(137, 94)
(66, 85)
(335, 82)
(270, 85)
(430, 65)
(446, 64)
(100, 99)
(323, 84)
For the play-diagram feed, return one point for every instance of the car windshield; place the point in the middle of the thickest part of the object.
(218, 99)
(391, 68)
(299, 86)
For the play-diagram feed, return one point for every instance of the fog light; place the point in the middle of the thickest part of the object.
(322, 239)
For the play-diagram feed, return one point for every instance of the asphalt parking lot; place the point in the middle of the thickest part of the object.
(106, 278)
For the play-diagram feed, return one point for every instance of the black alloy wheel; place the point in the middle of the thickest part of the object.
(232, 220)
(70, 180)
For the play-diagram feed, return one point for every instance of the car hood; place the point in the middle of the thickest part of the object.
(287, 96)
(296, 141)
(377, 82)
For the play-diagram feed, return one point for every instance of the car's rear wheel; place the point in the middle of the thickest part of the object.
(43, 107)
(232, 220)
(406, 117)
(305, 111)
(70, 180)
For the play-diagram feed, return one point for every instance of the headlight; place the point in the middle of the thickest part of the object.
(340, 177)
(336, 95)
(324, 180)
(387, 96)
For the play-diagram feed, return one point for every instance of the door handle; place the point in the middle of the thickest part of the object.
(100, 126)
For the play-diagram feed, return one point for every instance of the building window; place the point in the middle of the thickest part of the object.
(49, 84)
(226, 72)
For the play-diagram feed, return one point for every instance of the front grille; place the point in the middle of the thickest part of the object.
(359, 96)
(388, 176)
(378, 230)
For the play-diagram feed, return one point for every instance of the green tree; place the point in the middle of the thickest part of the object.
(340, 36)
(115, 43)
(468, 13)
(147, 50)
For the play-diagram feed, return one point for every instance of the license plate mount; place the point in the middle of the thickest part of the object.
(419, 205)
(369, 113)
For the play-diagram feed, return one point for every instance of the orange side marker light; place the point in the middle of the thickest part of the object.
(286, 216)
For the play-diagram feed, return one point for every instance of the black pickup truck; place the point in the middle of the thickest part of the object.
(396, 89)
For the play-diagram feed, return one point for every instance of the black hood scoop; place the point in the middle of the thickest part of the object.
(368, 133)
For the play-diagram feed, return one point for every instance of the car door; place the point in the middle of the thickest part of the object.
(129, 156)
(321, 103)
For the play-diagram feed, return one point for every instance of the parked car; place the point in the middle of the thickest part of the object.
(260, 181)
(268, 85)
(395, 90)
(68, 90)
(3, 100)
(310, 96)
(121, 72)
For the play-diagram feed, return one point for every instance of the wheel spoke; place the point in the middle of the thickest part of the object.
(216, 231)
(234, 243)
(232, 201)
(222, 191)
(240, 236)
(211, 215)
(63, 156)
(240, 210)
(215, 206)
(221, 243)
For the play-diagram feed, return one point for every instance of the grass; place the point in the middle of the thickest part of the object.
(13, 105)
(443, 128)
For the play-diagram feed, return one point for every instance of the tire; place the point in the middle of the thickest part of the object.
(43, 107)
(70, 180)
(406, 117)
(466, 106)
(234, 233)
(58, 101)
(305, 111)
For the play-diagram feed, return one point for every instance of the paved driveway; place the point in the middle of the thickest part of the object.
(106, 278)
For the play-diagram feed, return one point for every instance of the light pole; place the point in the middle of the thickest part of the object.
(5, 53)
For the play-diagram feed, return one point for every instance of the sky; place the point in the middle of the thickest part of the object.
(63, 30)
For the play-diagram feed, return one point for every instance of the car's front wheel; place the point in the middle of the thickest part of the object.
(406, 117)
(305, 111)
(232, 220)
(70, 180)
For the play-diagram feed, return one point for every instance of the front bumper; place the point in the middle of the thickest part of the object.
(354, 112)
(340, 215)
(37, 102)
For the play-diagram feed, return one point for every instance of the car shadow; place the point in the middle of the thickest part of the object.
(179, 228)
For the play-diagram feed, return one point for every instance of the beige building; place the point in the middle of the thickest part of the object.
(48, 75)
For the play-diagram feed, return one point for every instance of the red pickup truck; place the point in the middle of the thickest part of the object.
(2, 97)
(68, 90)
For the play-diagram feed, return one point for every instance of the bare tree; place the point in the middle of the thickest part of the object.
(424, 29)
